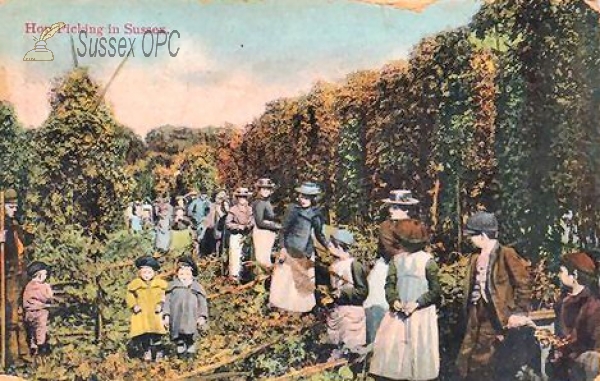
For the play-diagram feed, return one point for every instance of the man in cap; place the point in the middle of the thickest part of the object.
(14, 239)
(497, 295)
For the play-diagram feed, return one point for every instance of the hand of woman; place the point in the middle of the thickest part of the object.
(397, 306)
(282, 255)
(409, 308)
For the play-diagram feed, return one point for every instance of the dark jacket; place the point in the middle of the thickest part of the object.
(508, 285)
(239, 219)
(580, 322)
(296, 232)
(264, 216)
(357, 294)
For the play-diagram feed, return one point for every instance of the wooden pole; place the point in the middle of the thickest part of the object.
(2, 288)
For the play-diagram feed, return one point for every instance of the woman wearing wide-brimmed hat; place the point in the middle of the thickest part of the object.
(265, 229)
(406, 346)
(400, 205)
(293, 282)
(239, 223)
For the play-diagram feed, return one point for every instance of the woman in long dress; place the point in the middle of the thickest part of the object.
(401, 205)
(265, 228)
(407, 343)
(293, 281)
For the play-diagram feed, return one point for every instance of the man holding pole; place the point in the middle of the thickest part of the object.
(14, 343)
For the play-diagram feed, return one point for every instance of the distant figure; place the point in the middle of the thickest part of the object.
(197, 211)
(239, 223)
(135, 219)
(36, 296)
(181, 231)
(265, 229)
(215, 221)
(162, 241)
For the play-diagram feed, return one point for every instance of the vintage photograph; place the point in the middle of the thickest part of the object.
(300, 190)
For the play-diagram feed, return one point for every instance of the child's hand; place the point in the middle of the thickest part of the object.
(136, 309)
(202, 323)
(166, 321)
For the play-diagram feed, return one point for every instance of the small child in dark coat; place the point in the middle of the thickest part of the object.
(186, 307)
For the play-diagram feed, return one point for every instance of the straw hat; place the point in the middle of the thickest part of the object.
(401, 197)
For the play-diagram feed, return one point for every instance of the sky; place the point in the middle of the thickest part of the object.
(233, 58)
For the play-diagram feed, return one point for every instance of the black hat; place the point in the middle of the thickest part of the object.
(189, 262)
(36, 266)
(147, 262)
(481, 222)
(264, 183)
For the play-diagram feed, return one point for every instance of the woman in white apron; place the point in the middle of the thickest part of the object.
(265, 228)
(400, 205)
(406, 346)
(293, 280)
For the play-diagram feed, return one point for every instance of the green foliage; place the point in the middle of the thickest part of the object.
(14, 150)
(80, 154)
(172, 140)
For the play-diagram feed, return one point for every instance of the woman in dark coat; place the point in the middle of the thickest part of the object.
(293, 282)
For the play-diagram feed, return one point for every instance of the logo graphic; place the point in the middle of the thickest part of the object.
(40, 52)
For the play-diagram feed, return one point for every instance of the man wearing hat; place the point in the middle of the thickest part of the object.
(198, 210)
(14, 239)
(265, 229)
(578, 320)
(497, 295)
(239, 223)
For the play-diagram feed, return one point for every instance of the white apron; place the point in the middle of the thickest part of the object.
(345, 324)
(235, 255)
(285, 292)
(408, 348)
(263, 245)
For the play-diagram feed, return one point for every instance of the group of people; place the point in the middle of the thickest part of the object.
(391, 308)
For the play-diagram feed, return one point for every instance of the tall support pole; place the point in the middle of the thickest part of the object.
(2, 288)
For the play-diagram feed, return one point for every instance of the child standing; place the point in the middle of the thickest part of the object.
(346, 325)
(145, 297)
(35, 298)
(186, 307)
